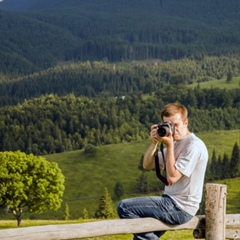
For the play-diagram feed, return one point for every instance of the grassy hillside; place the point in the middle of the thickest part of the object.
(87, 176)
(218, 83)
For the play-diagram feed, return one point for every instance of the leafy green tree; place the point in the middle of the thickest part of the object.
(29, 183)
(118, 190)
(105, 208)
(90, 150)
(66, 215)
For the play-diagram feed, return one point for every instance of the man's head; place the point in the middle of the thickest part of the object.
(177, 115)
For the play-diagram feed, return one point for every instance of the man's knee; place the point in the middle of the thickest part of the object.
(120, 210)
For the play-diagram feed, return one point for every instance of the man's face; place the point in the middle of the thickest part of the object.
(179, 124)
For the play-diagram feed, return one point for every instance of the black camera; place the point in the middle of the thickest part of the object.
(164, 128)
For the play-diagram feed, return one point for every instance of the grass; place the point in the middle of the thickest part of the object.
(86, 176)
(233, 194)
(218, 83)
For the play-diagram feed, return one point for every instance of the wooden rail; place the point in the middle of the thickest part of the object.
(215, 225)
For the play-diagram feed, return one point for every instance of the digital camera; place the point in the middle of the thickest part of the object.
(164, 129)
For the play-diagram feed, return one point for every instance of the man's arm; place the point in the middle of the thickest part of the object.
(148, 160)
(173, 175)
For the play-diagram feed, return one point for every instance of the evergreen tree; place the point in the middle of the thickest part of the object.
(142, 183)
(105, 207)
(118, 190)
(235, 161)
(229, 76)
(66, 215)
(213, 167)
(225, 171)
(140, 165)
(85, 214)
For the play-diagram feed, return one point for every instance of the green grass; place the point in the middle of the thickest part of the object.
(233, 194)
(219, 83)
(87, 176)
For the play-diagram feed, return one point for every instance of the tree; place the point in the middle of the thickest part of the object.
(213, 167)
(235, 161)
(85, 214)
(225, 170)
(229, 76)
(118, 190)
(105, 208)
(140, 165)
(142, 183)
(29, 183)
(90, 150)
(66, 215)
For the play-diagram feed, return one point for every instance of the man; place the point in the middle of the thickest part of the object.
(184, 159)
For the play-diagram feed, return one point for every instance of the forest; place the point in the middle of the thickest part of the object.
(74, 74)
(36, 35)
(53, 124)
(94, 79)
(81, 74)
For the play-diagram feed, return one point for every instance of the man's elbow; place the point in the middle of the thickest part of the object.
(147, 166)
(173, 179)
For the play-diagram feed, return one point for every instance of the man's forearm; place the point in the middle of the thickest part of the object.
(148, 160)
(173, 175)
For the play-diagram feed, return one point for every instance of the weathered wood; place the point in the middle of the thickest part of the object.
(232, 227)
(113, 227)
(232, 234)
(93, 229)
(233, 221)
(215, 210)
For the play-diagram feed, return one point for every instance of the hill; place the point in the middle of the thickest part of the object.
(87, 175)
(94, 79)
(113, 30)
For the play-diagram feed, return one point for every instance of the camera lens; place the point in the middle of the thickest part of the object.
(162, 131)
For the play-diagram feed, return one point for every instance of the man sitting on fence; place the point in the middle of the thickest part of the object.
(184, 160)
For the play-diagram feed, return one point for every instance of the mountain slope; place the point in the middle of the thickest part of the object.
(116, 30)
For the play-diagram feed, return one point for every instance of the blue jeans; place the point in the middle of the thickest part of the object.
(162, 208)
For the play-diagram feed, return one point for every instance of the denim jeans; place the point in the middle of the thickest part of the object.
(162, 208)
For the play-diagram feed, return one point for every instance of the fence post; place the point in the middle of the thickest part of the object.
(215, 211)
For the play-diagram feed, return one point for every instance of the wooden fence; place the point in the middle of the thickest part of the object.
(214, 225)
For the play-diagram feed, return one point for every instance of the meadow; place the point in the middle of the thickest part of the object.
(86, 176)
(218, 83)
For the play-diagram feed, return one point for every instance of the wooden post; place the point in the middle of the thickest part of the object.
(215, 210)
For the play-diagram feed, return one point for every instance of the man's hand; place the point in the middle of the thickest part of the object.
(167, 140)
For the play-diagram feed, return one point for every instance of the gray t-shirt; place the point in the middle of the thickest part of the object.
(191, 157)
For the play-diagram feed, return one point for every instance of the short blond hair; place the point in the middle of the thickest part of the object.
(173, 108)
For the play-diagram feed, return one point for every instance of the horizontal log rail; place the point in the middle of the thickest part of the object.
(115, 227)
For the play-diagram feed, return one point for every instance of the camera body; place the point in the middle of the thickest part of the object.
(164, 129)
